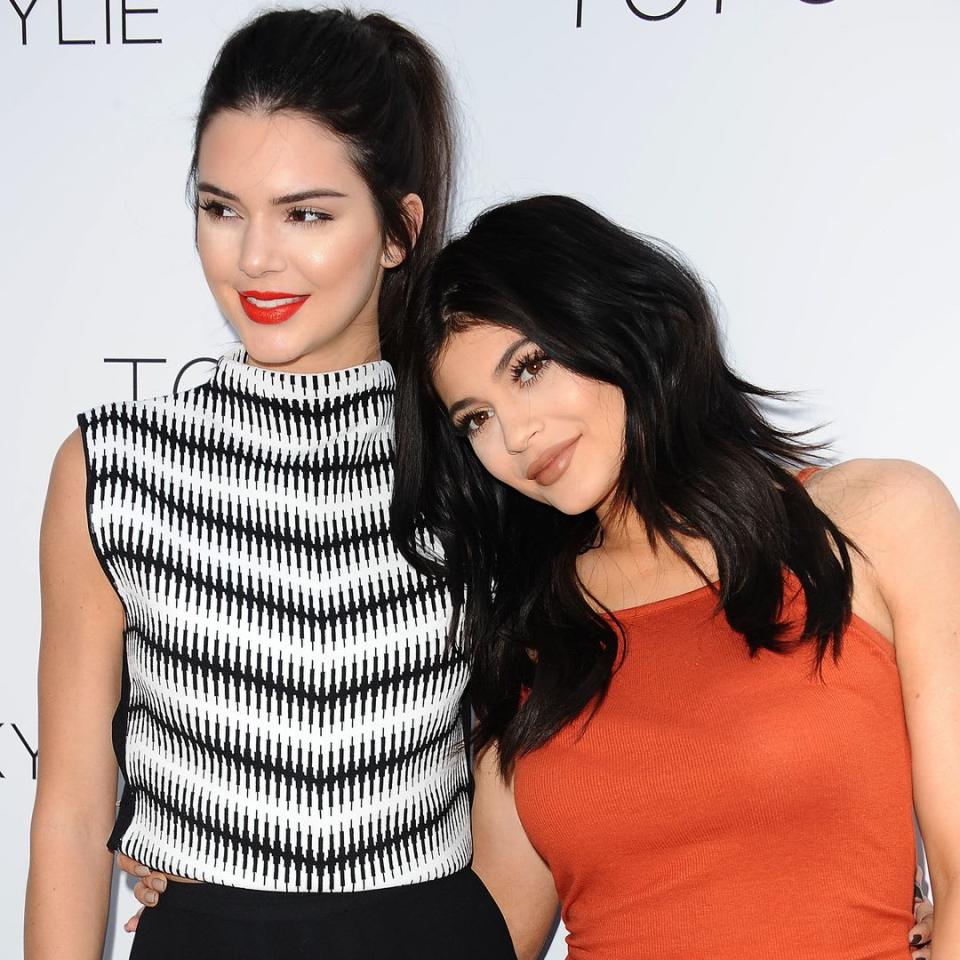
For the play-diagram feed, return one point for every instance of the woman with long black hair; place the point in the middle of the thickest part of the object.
(706, 669)
(290, 725)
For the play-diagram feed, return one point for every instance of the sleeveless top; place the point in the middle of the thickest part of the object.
(721, 806)
(291, 707)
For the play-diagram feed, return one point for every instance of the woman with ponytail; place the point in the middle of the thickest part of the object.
(220, 588)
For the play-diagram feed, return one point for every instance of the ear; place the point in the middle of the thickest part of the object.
(413, 213)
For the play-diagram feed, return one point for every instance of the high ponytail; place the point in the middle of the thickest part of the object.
(374, 83)
(424, 76)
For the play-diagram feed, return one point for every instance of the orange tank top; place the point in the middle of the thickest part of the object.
(721, 806)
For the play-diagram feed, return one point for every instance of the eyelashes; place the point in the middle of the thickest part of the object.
(531, 362)
(524, 371)
(214, 210)
(301, 216)
(464, 424)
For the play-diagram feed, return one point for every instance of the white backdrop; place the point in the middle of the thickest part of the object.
(805, 155)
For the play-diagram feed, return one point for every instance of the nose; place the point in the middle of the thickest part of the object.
(260, 252)
(519, 430)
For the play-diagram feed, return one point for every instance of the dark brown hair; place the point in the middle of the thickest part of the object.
(375, 84)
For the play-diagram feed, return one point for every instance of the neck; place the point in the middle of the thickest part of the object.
(623, 528)
(626, 535)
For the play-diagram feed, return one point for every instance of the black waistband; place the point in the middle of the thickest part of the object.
(267, 905)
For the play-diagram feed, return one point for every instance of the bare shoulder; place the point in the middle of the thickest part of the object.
(71, 575)
(881, 501)
(69, 464)
(64, 526)
(68, 480)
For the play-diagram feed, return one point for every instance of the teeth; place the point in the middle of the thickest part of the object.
(273, 303)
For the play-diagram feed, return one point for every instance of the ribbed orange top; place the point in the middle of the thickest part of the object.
(719, 806)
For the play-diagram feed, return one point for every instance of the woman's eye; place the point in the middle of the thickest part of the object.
(218, 211)
(472, 423)
(527, 369)
(306, 215)
(530, 371)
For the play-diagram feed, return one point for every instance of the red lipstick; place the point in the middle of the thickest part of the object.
(262, 312)
(552, 464)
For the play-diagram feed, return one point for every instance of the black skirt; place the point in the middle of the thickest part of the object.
(453, 918)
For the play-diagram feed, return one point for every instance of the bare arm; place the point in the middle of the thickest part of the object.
(79, 683)
(910, 530)
(921, 584)
(506, 861)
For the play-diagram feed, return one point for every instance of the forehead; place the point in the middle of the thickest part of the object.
(253, 152)
(469, 358)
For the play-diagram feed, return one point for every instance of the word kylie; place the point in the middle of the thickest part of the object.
(125, 11)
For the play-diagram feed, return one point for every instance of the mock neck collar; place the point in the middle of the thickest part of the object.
(293, 412)
(236, 374)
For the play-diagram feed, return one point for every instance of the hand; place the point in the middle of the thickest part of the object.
(922, 934)
(148, 888)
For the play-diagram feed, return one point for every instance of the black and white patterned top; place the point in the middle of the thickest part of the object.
(290, 716)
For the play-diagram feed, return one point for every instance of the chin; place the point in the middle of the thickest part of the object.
(271, 345)
(572, 504)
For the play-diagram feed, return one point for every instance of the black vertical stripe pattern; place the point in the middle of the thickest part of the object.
(290, 713)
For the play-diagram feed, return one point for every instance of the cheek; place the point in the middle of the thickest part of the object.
(612, 421)
(486, 452)
(218, 251)
(343, 256)
(494, 458)
(488, 448)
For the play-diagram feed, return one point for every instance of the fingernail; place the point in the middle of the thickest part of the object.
(152, 898)
(916, 940)
(142, 871)
(159, 884)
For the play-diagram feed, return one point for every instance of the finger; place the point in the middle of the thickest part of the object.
(920, 935)
(131, 925)
(923, 913)
(157, 881)
(921, 954)
(127, 865)
(146, 895)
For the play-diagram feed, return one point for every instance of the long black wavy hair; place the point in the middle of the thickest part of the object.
(371, 81)
(700, 460)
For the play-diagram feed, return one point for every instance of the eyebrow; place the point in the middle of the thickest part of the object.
(508, 356)
(315, 193)
(497, 373)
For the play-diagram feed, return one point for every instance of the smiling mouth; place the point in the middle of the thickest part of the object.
(552, 464)
(270, 307)
(269, 302)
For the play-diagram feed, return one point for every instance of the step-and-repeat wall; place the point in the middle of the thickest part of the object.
(805, 155)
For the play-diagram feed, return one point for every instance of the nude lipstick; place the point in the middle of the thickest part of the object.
(271, 306)
(552, 464)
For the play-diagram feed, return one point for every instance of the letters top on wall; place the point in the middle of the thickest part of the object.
(647, 9)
